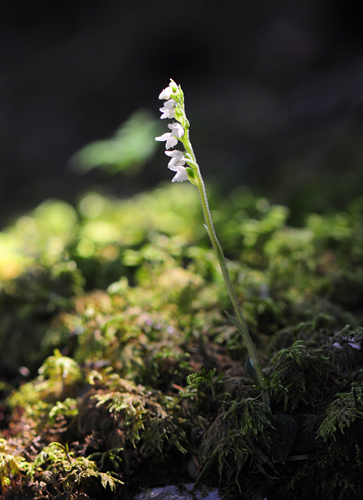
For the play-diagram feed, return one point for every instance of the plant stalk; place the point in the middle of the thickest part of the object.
(223, 265)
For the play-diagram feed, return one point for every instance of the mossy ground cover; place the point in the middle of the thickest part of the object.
(120, 370)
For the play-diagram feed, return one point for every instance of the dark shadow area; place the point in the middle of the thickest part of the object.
(274, 93)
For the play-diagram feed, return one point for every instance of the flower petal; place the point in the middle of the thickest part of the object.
(177, 158)
(176, 129)
(171, 142)
(166, 93)
(168, 109)
(181, 174)
(170, 104)
(163, 137)
(167, 113)
(170, 139)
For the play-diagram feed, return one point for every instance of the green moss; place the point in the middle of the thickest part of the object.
(66, 474)
(147, 374)
(140, 414)
(11, 463)
(242, 435)
(28, 304)
(299, 376)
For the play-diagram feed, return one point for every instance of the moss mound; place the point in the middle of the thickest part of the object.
(120, 370)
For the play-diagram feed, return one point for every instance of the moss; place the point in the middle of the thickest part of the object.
(133, 415)
(242, 435)
(28, 304)
(129, 371)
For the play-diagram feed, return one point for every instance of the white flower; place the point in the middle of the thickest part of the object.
(176, 129)
(176, 165)
(166, 93)
(177, 158)
(171, 138)
(168, 109)
(181, 173)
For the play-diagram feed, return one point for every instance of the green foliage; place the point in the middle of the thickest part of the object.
(197, 380)
(49, 395)
(131, 146)
(42, 234)
(205, 389)
(146, 368)
(68, 473)
(149, 417)
(299, 376)
(10, 465)
(240, 435)
(110, 460)
(340, 232)
(344, 351)
(65, 409)
(60, 368)
(29, 303)
(342, 412)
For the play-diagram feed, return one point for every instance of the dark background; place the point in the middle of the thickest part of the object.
(274, 93)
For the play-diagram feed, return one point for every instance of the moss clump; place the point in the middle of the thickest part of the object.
(121, 370)
(28, 304)
(241, 436)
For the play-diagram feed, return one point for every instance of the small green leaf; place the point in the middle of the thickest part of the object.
(241, 328)
(108, 480)
(236, 323)
(191, 175)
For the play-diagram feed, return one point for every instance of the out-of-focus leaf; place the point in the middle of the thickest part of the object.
(128, 150)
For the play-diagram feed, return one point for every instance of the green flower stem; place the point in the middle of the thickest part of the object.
(198, 181)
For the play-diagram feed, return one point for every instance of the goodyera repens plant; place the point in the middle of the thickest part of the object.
(187, 169)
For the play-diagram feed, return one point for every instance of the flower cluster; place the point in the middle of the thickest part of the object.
(171, 109)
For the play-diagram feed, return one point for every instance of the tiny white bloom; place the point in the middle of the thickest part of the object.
(176, 164)
(181, 173)
(168, 109)
(171, 138)
(176, 129)
(177, 158)
(166, 93)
